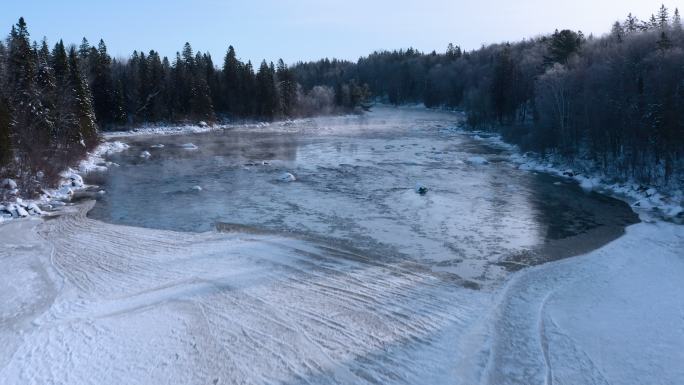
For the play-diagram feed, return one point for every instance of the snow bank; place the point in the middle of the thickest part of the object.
(612, 316)
(163, 130)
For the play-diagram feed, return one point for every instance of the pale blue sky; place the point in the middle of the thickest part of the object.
(310, 29)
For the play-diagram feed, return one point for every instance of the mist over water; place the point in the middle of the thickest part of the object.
(355, 187)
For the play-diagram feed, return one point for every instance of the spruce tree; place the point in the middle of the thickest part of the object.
(677, 21)
(231, 82)
(102, 86)
(157, 79)
(84, 134)
(617, 32)
(663, 18)
(60, 64)
(287, 88)
(631, 24)
(31, 123)
(248, 90)
(265, 91)
(5, 138)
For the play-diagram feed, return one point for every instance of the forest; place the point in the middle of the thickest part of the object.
(55, 101)
(616, 101)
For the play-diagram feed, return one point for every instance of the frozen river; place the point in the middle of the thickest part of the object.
(355, 187)
(345, 275)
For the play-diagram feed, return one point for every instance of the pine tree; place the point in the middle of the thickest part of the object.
(85, 132)
(5, 138)
(157, 83)
(102, 85)
(664, 43)
(231, 82)
(677, 21)
(287, 88)
(663, 18)
(631, 24)
(562, 45)
(31, 123)
(119, 114)
(59, 64)
(248, 90)
(617, 32)
(188, 57)
(266, 102)
(653, 23)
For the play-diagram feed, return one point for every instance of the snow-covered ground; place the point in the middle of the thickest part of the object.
(87, 302)
(613, 316)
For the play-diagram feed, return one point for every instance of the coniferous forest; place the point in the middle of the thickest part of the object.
(615, 100)
(55, 100)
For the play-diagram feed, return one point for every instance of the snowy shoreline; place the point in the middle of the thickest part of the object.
(646, 201)
(71, 182)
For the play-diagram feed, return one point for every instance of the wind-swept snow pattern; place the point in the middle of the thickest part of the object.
(106, 304)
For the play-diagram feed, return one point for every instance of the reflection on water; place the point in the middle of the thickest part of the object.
(355, 186)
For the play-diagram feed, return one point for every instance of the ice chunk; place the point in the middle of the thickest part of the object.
(477, 160)
(189, 146)
(196, 188)
(588, 184)
(157, 146)
(287, 177)
(145, 154)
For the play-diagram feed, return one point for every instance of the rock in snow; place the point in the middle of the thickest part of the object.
(421, 189)
(9, 184)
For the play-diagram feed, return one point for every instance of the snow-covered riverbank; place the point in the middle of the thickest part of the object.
(648, 201)
(72, 181)
(612, 316)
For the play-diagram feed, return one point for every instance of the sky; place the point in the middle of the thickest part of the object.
(311, 29)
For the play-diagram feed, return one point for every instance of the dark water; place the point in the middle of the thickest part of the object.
(356, 179)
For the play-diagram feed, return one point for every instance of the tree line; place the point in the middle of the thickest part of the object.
(615, 100)
(54, 100)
